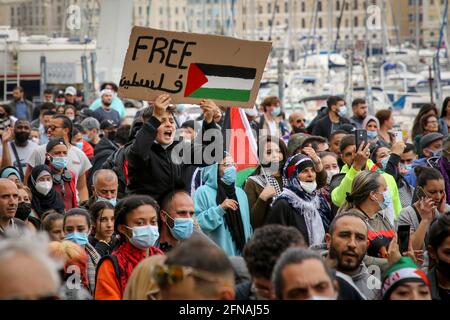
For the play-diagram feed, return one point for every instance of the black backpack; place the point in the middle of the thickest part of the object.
(115, 263)
(117, 163)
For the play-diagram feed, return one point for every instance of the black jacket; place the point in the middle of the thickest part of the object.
(322, 112)
(117, 163)
(324, 126)
(102, 151)
(151, 170)
(282, 213)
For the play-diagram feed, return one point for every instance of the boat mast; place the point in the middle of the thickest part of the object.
(339, 24)
(397, 29)
(437, 62)
(330, 35)
(384, 35)
(417, 29)
(272, 20)
(313, 31)
(366, 68)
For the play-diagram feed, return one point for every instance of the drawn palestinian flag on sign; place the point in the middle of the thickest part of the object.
(219, 82)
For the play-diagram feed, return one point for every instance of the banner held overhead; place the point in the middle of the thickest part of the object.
(191, 67)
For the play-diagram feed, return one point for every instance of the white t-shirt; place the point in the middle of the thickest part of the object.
(272, 127)
(24, 154)
(78, 162)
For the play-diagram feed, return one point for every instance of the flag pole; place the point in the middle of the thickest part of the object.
(264, 173)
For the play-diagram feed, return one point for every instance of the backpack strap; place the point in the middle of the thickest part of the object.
(16, 155)
(115, 263)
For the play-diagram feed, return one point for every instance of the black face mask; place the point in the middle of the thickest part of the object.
(23, 211)
(444, 268)
(21, 137)
(111, 135)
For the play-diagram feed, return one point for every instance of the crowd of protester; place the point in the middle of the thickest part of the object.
(97, 206)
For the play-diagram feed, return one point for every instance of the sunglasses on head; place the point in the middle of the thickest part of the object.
(169, 275)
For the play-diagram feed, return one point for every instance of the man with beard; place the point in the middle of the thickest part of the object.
(105, 112)
(104, 148)
(20, 107)
(347, 245)
(360, 110)
(20, 148)
(297, 122)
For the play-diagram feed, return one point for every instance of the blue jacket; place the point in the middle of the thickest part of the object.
(210, 215)
(410, 177)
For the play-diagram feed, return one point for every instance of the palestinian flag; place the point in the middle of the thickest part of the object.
(240, 143)
(219, 82)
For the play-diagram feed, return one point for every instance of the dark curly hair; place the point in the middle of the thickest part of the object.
(130, 203)
(263, 250)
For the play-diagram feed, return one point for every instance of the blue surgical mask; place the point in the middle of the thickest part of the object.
(384, 162)
(372, 134)
(436, 153)
(59, 162)
(180, 107)
(276, 112)
(113, 201)
(182, 227)
(407, 167)
(79, 145)
(77, 237)
(343, 111)
(229, 175)
(144, 237)
(86, 138)
(387, 200)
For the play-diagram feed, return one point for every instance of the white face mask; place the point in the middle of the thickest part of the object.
(330, 174)
(309, 187)
(44, 187)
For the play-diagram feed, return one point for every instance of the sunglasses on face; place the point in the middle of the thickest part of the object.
(169, 275)
(53, 127)
(300, 120)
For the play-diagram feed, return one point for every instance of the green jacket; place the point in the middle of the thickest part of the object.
(339, 193)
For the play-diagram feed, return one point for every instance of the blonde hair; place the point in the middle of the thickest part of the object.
(141, 280)
(363, 184)
(70, 254)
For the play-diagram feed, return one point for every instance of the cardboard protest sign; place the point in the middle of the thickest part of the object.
(191, 67)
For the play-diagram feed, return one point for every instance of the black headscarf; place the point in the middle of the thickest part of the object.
(39, 202)
(233, 219)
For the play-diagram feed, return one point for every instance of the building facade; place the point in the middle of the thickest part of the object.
(297, 22)
(71, 18)
(285, 22)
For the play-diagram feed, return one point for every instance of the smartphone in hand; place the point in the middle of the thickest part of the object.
(421, 193)
(403, 233)
(360, 137)
(398, 135)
